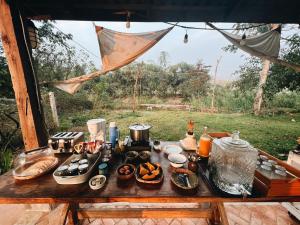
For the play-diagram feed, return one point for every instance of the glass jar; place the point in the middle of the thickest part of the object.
(204, 144)
(62, 170)
(83, 168)
(73, 170)
(83, 161)
(103, 169)
(232, 165)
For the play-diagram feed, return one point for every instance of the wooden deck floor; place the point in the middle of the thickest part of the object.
(238, 214)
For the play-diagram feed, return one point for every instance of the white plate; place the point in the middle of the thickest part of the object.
(169, 149)
(98, 185)
(177, 158)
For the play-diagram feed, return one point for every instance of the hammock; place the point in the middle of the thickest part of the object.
(266, 45)
(117, 50)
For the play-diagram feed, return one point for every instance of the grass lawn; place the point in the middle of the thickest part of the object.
(274, 134)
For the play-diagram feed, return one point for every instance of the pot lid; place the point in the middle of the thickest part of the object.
(139, 126)
(235, 143)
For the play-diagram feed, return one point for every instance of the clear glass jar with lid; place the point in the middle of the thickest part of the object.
(232, 165)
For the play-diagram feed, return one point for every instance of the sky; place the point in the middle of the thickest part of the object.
(202, 45)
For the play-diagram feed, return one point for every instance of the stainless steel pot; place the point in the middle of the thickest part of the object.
(139, 132)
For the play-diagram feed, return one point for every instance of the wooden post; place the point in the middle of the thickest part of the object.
(214, 87)
(134, 97)
(53, 108)
(263, 75)
(17, 51)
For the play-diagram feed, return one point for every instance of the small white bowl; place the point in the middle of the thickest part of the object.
(97, 185)
(177, 160)
(176, 165)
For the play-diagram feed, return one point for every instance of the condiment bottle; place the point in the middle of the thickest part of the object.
(192, 165)
(204, 144)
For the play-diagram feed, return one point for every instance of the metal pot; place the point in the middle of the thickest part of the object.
(139, 132)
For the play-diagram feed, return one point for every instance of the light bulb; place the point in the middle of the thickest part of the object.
(127, 24)
(186, 38)
(243, 40)
(128, 20)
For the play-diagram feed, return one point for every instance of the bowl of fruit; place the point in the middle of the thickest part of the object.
(149, 173)
(125, 171)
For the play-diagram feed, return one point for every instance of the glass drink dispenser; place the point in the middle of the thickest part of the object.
(232, 165)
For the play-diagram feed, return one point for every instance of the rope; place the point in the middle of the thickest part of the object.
(204, 28)
(80, 45)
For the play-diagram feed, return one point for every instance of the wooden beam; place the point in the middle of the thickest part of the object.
(23, 77)
(145, 213)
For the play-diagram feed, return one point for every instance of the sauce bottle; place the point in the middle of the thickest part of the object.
(204, 144)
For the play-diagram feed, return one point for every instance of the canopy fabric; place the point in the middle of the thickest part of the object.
(266, 44)
(117, 50)
(258, 49)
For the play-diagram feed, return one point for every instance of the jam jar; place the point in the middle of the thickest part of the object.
(62, 170)
(73, 170)
(83, 161)
(75, 160)
(83, 168)
(103, 169)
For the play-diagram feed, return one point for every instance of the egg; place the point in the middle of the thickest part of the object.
(122, 170)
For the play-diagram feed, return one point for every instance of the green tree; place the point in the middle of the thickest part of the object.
(280, 77)
(55, 58)
(263, 74)
(6, 89)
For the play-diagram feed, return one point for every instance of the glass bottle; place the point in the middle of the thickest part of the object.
(190, 127)
(204, 144)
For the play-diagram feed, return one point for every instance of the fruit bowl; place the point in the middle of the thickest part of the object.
(125, 171)
(149, 173)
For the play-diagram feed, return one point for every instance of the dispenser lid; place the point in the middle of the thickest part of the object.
(235, 143)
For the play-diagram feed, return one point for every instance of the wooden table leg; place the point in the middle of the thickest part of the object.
(215, 218)
(222, 212)
(73, 214)
(219, 214)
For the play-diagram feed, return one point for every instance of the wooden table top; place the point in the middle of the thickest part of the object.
(45, 190)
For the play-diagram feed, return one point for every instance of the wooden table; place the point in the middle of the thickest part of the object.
(46, 190)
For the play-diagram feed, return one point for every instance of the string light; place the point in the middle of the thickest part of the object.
(128, 20)
(186, 37)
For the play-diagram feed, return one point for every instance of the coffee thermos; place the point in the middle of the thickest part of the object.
(114, 134)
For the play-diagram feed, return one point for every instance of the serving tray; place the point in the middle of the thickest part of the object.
(20, 172)
(272, 185)
(77, 179)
